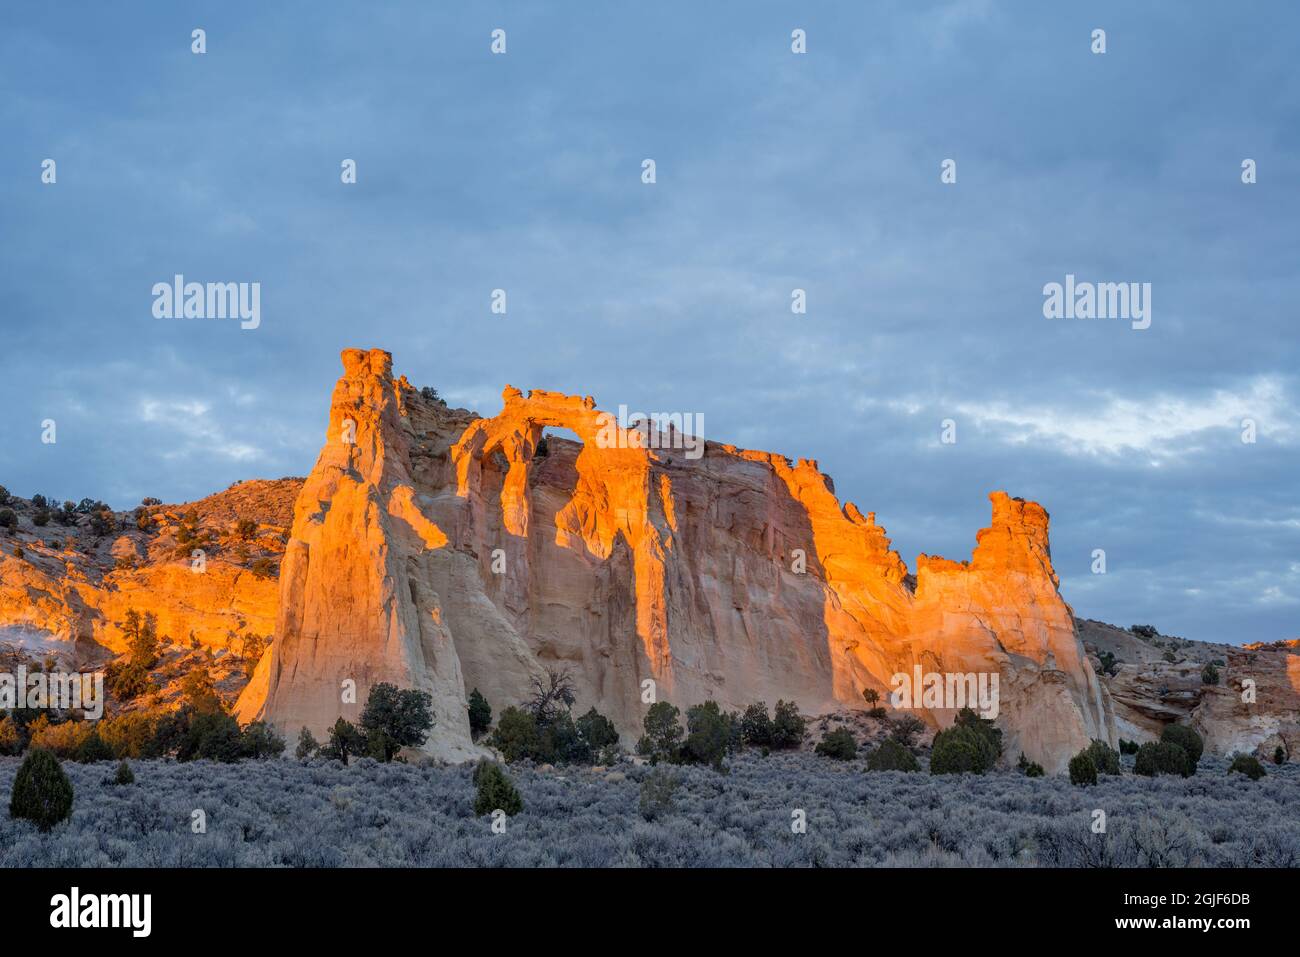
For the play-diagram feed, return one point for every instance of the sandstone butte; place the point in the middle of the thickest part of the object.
(435, 549)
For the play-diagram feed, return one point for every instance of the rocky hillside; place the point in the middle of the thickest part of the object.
(436, 549)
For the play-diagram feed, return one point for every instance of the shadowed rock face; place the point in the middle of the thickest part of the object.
(438, 550)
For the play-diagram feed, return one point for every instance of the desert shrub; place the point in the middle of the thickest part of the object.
(663, 732)
(127, 679)
(102, 522)
(1104, 759)
(1162, 758)
(1248, 765)
(891, 755)
(129, 735)
(1128, 747)
(61, 739)
(495, 790)
(838, 744)
(42, 792)
(1210, 674)
(1170, 657)
(7, 518)
(657, 790)
(396, 718)
(260, 741)
(213, 735)
(1108, 663)
(1145, 631)
(878, 713)
(708, 735)
(962, 748)
(986, 729)
(516, 735)
(552, 694)
(1279, 755)
(906, 728)
(1082, 769)
(345, 742)
(262, 568)
(1188, 740)
(788, 726)
(480, 713)
(39, 500)
(756, 725)
(124, 774)
(41, 518)
(562, 742)
(600, 735)
(307, 745)
(246, 528)
(92, 749)
(11, 739)
(1030, 769)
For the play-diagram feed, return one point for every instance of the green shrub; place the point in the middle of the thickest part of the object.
(1279, 755)
(260, 740)
(1210, 674)
(307, 745)
(495, 790)
(756, 725)
(708, 735)
(906, 728)
(1030, 769)
(516, 735)
(1128, 747)
(1162, 758)
(480, 713)
(657, 793)
(1188, 740)
(1082, 769)
(124, 774)
(838, 744)
(1104, 759)
(92, 749)
(345, 741)
(1248, 765)
(212, 735)
(663, 733)
(396, 718)
(7, 518)
(962, 748)
(891, 755)
(42, 793)
(788, 726)
(600, 735)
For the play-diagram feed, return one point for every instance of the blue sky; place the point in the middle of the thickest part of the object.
(774, 172)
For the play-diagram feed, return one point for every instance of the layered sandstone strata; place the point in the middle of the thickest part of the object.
(438, 550)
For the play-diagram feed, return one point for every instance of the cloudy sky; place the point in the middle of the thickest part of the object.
(775, 171)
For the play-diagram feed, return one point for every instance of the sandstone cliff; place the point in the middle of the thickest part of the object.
(443, 551)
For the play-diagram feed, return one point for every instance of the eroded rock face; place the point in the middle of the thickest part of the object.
(438, 550)
(74, 586)
(357, 599)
